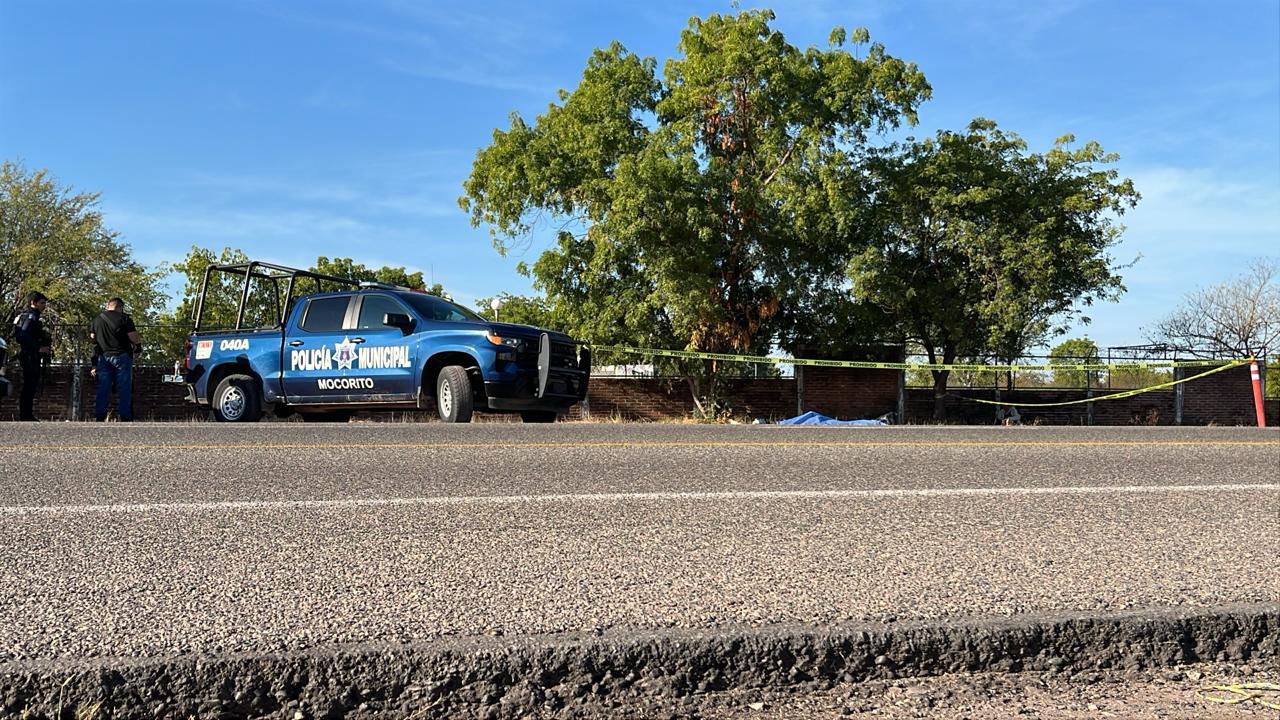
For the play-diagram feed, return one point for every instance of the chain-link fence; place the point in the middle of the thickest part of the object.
(1114, 378)
(1063, 379)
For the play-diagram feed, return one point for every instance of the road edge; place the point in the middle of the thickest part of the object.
(585, 674)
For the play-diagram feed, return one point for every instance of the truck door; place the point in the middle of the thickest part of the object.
(386, 355)
(319, 353)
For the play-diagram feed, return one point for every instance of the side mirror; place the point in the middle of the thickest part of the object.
(399, 320)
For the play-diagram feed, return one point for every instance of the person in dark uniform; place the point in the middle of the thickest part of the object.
(35, 347)
(116, 338)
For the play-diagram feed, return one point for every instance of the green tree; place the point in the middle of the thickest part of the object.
(1125, 378)
(348, 268)
(692, 207)
(977, 246)
(167, 341)
(53, 239)
(519, 309)
(1078, 351)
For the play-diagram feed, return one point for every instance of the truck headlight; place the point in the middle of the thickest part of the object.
(513, 343)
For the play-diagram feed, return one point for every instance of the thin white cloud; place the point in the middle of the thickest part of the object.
(467, 44)
(220, 186)
(481, 75)
(331, 95)
(210, 227)
(1194, 207)
(1007, 22)
(430, 199)
(1194, 227)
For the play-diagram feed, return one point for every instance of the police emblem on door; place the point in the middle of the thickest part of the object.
(344, 354)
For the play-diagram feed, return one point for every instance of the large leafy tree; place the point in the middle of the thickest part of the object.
(979, 248)
(692, 208)
(53, 239)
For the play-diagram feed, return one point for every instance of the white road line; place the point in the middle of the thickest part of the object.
(234, 505)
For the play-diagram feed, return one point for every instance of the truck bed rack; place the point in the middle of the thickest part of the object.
(273, 273)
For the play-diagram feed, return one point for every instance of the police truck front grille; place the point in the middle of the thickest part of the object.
(564, 356)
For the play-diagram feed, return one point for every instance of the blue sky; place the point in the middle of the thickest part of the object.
(297, 129)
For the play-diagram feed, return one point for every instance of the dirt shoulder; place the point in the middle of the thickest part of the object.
(1165, 694)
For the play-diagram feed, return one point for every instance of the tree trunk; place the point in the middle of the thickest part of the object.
(712, 394)
(940, 394)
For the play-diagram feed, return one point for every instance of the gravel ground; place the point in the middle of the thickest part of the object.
(170, 541)
(165, 540)
(1168, 694)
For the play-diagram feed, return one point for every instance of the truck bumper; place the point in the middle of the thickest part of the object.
(559, 380)
(521, 394)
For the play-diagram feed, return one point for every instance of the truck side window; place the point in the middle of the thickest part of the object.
(434, 308)
(325, 314)
(374, 308)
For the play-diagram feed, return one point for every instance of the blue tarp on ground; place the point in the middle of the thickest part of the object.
(816, 418)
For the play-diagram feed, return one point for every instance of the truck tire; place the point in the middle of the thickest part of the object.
(237, 399)
(539, 416)
(454, 401)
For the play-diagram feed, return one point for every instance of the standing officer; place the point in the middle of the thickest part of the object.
(35, 346)
(115, 335)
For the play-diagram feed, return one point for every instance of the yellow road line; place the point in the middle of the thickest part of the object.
(659, 444)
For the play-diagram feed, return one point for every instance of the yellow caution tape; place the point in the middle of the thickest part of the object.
(866, 365)
(1265, 694)
(1113, 396)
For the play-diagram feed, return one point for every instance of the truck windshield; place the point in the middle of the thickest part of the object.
(434, 308)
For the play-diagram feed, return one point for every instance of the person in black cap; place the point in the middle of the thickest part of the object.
(116, 338)
(35, 346)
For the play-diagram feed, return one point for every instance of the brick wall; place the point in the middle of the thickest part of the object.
(848, 393)
(1224, 398)
(54, 401)
(662, 399)
(152, 399)
(1153, 408)
(637, 399)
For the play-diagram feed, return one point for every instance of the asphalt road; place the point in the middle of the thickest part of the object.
(159, 540)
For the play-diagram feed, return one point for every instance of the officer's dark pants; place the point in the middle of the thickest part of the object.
(115, 370)
(31, 377)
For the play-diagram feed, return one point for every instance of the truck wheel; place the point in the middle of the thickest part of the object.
(539, 416)
(236, 399)
(453, 395)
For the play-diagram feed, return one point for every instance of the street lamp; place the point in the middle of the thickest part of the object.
(495, 304)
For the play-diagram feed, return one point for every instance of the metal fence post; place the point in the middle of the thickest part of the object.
(76, 409)
(1177, 396)
(799, 389)
(1088, 393)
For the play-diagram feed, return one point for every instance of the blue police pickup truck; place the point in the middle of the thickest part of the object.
(261, 345)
